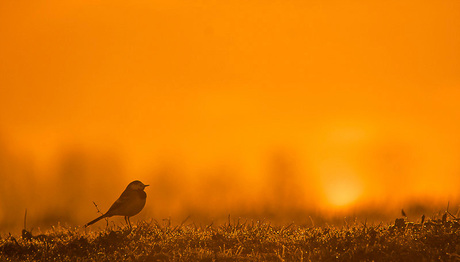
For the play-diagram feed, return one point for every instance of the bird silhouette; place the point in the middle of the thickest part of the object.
(130, 203)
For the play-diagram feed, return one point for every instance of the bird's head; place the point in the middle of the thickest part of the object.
(136, 185)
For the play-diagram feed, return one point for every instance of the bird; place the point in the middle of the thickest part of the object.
(130, 203)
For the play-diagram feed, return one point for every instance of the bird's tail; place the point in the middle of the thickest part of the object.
(95, 220)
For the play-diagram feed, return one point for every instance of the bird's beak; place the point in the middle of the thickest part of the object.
(146, 186)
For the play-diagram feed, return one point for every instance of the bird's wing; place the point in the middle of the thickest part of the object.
(121, 202)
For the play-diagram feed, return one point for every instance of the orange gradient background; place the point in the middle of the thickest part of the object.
(278, 109)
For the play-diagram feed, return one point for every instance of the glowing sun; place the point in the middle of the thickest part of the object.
(341, 186)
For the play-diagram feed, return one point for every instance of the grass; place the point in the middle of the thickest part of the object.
(433, 240)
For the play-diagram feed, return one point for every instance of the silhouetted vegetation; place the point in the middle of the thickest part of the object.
(237, 240)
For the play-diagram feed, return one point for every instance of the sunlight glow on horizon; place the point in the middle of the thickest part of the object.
(341, 184)
(341, 192)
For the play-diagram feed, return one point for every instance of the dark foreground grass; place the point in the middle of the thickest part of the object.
(434, 240)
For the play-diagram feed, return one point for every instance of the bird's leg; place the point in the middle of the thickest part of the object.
(127, 221)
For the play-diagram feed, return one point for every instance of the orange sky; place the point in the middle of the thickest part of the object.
(363, 94)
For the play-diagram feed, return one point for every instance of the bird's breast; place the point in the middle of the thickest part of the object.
(143, 195)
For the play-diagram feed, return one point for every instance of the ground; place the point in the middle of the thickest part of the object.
(236, 240)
